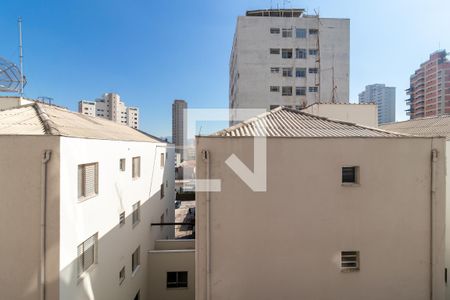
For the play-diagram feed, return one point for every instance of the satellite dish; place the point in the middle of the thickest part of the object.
(10, 77)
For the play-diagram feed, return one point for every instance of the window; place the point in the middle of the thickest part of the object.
(286, 91)
(286, 32)
(122, 164)
(177, 279)
(275, 30)
(87, 180)
(300, 72)
(300, 33)
(162, 190)
(274, 88)
(300, 53)
(136, 259)
(274, 70)
(286, 53)
(273, 106)
(287, 72)
(313, 89)
(162, 160)
(274, 51)
(136, 216)
(349, 261)
(136, 172)
(121, 275)
(87, 254)
(312, 70)
(300, 91)
(350, 175)
(313, 51)
(313, 31)
(122, 218)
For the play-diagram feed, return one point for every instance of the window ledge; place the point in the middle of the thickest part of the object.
(350, 184)
(84, 198)
(135, 271)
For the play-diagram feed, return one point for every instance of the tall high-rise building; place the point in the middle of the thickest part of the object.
(286, 57)
(178, 126)
(110, 107)
(429, 89)
(384, 97)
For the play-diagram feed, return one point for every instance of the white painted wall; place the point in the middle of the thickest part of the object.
(117, 193)
(363, 114)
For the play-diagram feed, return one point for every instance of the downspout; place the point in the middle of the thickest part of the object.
(45, 159)
(205, 157)
(434, 156)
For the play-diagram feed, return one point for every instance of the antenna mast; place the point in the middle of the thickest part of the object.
(20, 55)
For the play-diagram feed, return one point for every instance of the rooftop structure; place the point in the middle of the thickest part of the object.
(384, 97)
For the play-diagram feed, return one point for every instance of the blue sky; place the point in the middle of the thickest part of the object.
(151, 52)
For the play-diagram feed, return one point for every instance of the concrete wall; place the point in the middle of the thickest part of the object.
(286, 242)
(21, 186)
(171, 256)
(11, 102)
(364, 114)
(251, 61)
(118, 191)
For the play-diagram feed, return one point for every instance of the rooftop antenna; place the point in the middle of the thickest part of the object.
(20, 55)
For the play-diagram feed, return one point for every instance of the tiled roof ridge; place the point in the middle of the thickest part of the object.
(49, 126)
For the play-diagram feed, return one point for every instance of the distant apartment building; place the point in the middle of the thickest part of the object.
(78, 196)
(178, 127)
(336, 219)
(429, 91)
(112, 108)
(384, 97)
(287, 57)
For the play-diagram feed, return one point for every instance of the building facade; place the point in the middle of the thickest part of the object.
(286, 57)
(179, 138)
(384, 97)
(336, 220)
(112, 108)
(429, 91)
(79, 196)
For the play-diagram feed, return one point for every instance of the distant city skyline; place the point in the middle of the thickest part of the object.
(77, 50)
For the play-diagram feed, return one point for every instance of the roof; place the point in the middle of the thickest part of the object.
(287, 122)
(339, 103)
(42, 119)
(428, 127)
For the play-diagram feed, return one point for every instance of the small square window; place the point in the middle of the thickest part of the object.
(274, 51)
(286, 32)
(350, 175)
(274, 88)
(300, 33)
(274, 70)
(300, 72)
(275, 30)
(313, 51)
(286, 91)
(313, 89)
(121, 275)
(177, 279)
(122, 218)
(313, 31)
(122, 164)
(300, 91)
(287, 72)
(349, 261)
(286, 53)
(300, 53)
(312, 70)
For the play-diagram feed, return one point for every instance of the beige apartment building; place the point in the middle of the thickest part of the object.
(111, 107)
(345, 214)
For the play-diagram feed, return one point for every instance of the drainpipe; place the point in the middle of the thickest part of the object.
(205, 157)
(434, 157)
(45, 159)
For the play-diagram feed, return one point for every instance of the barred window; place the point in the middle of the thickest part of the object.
(122, 218)
(300, 53)
(87, 180)
(300, 33)
(286, 32)
(177, 279)
(136, 168)
(87, 254)
(349, 261)
(136, 216)
(122, 164)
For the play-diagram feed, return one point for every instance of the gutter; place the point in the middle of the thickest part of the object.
(205, 157)
(434, 158)
(45, 159)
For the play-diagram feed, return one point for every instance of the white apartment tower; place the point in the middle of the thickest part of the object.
(178, 128)
(384, 97)
(286, 57)
(110, 107)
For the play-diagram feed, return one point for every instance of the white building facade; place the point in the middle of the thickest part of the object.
(286, 57)
(384, 97)
(94, 188)
(112, 108)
